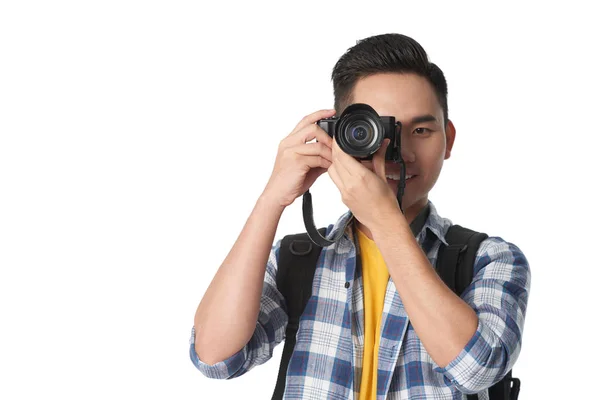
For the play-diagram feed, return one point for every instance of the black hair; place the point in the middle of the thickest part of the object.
(391, 52)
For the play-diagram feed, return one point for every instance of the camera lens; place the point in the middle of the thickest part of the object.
(359, 134)
(359, 130)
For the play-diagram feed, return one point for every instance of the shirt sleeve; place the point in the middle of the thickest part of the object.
(498, 294)
(269, 331)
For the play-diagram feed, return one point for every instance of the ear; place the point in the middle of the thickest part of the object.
(450, 136)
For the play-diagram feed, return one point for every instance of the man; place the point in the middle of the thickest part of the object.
(391, 327)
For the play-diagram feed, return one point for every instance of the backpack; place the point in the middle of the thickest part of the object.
(298, 257)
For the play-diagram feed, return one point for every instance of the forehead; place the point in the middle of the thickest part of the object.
(403, 96)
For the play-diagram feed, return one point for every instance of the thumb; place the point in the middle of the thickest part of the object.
(379, 159)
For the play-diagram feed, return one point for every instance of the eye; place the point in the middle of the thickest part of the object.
(422, 131)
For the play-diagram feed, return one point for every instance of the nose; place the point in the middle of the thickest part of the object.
(406, 152)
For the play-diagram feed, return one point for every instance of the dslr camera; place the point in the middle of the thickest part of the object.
(360, 131)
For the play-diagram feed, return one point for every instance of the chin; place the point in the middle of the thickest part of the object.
(409, 198)
(394, 187)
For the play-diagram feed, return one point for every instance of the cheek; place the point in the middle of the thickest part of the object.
(430, 158)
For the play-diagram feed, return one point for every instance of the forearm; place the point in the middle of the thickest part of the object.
(226, 317)
(443, 321)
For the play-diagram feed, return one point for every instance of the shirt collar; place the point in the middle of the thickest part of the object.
(436, 224)
(343, 221)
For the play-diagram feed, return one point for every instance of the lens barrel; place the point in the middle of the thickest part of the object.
(359, 131)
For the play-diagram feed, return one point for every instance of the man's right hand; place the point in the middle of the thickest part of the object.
(299, 164)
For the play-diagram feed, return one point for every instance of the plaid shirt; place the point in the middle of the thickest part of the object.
(327, 360)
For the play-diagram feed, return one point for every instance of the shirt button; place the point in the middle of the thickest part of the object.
(347, 285)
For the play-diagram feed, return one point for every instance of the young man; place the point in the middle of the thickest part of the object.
(390, 328)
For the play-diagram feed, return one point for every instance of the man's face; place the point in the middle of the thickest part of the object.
(425, 142)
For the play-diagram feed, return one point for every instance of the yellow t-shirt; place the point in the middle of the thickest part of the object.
(375, 279)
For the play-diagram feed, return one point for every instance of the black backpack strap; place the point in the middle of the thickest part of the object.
(507, 389)
(455, 266)
(296, 267)
(456, 261)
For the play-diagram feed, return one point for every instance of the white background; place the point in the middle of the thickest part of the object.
(136, 137)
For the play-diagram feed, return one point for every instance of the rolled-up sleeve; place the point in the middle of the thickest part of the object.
(498, 294)
(269, 331)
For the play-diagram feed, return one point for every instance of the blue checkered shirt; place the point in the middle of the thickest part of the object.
(327, 359)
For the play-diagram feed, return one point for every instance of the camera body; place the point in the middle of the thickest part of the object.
(360, 131)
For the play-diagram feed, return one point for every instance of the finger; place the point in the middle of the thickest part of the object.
(379, 160)
(312, 149)
(311, 132)
(312, 118)
(334, 147)
(316, 162)
(335, 177)
(305, 135)
(337, 152)
(347, 165)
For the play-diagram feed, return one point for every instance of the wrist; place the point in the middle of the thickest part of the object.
(390, 226)
(270, 202)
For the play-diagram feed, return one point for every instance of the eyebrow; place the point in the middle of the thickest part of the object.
(424, 118)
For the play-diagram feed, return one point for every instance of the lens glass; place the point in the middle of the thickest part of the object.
(359, 131)
(359, 134)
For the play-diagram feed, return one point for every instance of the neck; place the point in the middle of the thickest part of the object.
(410, 213)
